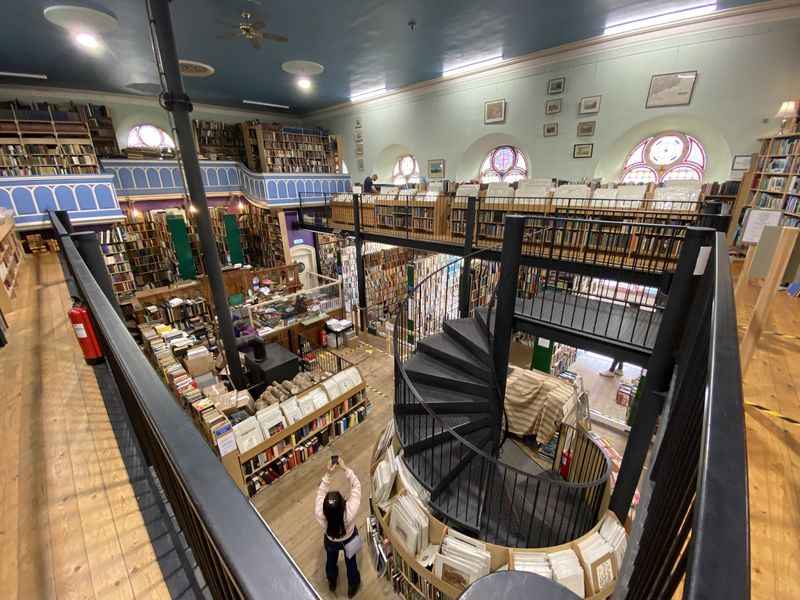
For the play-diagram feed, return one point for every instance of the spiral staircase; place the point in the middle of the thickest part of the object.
(449, 420)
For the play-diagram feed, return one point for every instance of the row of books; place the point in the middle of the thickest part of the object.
(461, 560)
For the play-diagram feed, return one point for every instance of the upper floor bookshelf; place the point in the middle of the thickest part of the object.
(219, 141)
(272, 148)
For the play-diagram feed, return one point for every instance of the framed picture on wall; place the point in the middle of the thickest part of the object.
(357, 124)
(586, 128)
(360, 149)
(436, 168)
(582, 150)
(550, 129)
(360, 165)
(589, 105)
(556, 86)
(741, 162)
(494, 111)
(671, 89)
(552, 107)
(358, 136)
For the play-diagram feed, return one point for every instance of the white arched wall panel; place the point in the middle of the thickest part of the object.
(470, 164)
(385, 160)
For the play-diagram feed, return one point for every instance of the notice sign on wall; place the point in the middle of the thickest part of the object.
(755, 220)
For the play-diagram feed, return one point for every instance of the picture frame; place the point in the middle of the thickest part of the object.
(358, 136)
(671, 89)
(586, 128)
(556, 86)
(552, 107)
(360, 165)
(357, 124)
(582, 150)
(589, 105)
(494, 111)
(360, 149)
(550, 129)
(436, 168)
(742, 162)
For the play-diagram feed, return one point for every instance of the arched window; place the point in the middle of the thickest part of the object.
(406, 170)
(504, 163)
(666, 156)
(345, 170)
(149, 136)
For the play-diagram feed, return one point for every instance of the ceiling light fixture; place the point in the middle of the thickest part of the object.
(304, 83)
(87, 40)
(368, 94)
(652, 14)
(25, 75)
(270, 104)
(461, 69)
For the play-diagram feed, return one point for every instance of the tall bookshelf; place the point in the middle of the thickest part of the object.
(148, 254)
(101, 128)
(112, 242)
(10, 260)
(263, 230)
(36, 140)
(218, 141)
(275, 149)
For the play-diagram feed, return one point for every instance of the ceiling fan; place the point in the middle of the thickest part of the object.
(250, 27)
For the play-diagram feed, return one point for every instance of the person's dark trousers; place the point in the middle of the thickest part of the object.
(332, 550)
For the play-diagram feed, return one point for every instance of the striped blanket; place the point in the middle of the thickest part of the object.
(536, 403)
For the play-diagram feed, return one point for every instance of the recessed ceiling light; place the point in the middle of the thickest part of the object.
(80, 18)
(270, 104)
(304, 83)
(25, 75)
(304, 68)
(477, 65)
(87, 40)
(367, 94)
(193, 68)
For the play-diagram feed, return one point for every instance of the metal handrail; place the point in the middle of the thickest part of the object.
(397, 337)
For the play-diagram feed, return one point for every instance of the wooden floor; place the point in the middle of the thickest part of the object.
(773, 449)
(70, 524)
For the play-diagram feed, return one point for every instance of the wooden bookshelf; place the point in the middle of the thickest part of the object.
(216, 140)
(148, 253)
(35, 140)
(11, 254)
(112, 243)
(287, 449)
(271, 148)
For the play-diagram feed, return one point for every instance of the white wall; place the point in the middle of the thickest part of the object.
(745, 71)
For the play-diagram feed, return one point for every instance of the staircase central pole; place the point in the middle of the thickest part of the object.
(465, 284)
(504, 308)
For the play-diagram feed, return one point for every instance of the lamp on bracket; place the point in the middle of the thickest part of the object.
(787, 111)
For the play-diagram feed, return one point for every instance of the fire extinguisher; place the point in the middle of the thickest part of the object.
(323, 338)
(84, 331)
(566, 459)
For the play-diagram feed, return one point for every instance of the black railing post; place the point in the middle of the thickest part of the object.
(659, 368)
(362, 282)
(63, 216)
(177, 102)
(506, 304)
(465, 284)
(300, 209)
(89, 248)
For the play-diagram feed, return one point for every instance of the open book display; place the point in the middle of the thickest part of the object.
(461, 560)
(409, 523)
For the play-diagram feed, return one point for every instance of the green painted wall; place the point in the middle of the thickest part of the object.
(744, 74)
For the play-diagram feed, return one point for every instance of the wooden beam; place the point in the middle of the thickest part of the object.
(744, 274)
(758, 320)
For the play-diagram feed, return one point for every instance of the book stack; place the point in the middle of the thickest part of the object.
(461, 559)
(271, 420)
(351, 419)
(533, 562)
(599, 562)
(383, 478)
(612, 531)
(409, 522)
(567, 570)
(291, 410)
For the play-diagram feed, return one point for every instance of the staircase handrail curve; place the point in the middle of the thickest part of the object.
(604, 476)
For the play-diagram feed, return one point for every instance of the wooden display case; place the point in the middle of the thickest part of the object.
(11, 254)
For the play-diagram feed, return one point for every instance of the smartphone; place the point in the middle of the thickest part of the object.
(335, 459)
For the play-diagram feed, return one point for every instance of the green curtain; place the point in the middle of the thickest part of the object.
(233, 239)
(183, 247)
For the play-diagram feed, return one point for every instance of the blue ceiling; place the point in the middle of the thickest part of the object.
(362, 44)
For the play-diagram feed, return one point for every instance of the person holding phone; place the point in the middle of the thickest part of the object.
(337, 517)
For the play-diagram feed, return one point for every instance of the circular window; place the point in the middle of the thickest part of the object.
(149, 136)
(406, 170)
(667, 156)
(504, 164)
(666, 150)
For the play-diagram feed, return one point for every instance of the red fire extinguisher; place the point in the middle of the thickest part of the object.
(323, 338)
(566, 459)
(84, 331)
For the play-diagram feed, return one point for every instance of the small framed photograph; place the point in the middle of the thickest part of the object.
(358, 136)
(552, 107)
(357, 124)
(494, 111)
(556, 86)
(589, 105)
(550, 129)
(741, 162)
(586, 128)
(360, 149)
(360, 165)
(582, 150)
(436, 168)
(671, 89)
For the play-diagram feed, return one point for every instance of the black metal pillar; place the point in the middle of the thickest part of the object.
(659, 369)
(505, 306)
(63, 216)
(88, 247)
(466, 273)
(177, 102)
(360, 276)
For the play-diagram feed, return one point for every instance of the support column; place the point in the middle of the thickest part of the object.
(88, 247)
(659, 369)
(503, 314)
(466, 274)
(177, 102)
(360, 276)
